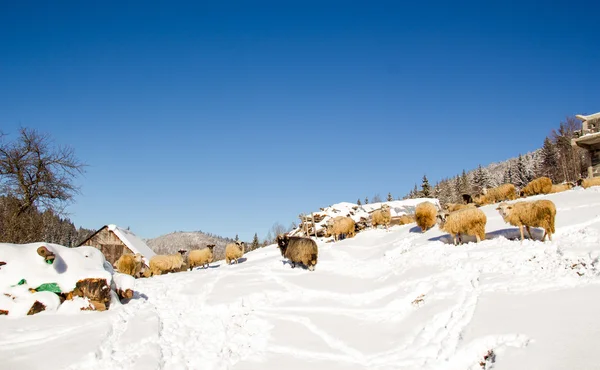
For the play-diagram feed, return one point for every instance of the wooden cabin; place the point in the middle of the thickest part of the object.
(589, 139)
(113, 241)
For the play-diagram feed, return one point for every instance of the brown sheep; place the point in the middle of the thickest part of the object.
(234, 251)
(404, 219)
(382, 216)
(541, 185)
(425, 214)
(451, 207)
(341, 226)
(129, 264)
(497, 194)
(298, 250)
(586, 183)
(539, 213)
(470, 221)
(160, 264)
(561, 187)
(201, 257)
(467, 198)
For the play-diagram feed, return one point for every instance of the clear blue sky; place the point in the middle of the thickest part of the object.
(229, 117)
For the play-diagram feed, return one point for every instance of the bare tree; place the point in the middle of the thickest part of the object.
(36, 172)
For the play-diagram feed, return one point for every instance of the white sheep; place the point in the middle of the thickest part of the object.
(160, 264)
(382, 216)
(341, 225)
(539, 213)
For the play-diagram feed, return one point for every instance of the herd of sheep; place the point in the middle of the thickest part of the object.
(456, 219)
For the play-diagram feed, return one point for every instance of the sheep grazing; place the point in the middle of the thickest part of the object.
(539, 213)
(586, 183)
(452, 207)
(497, 194)
(561, 187)
(341, 226)
(469, 221)
(541, 185)
(234, 251)
(298, 250)
(382, 216)
(425, 214)
(160, 264)
(129, 264)
(201, 257)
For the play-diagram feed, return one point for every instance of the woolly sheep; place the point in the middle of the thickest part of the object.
(425, 214)
(382, 216)
(129, 264)
(298, 250)
(541, 185)
(451, 207)
(470, 221)
(497, 194)
(200, 257)
(539, 213)
(160, 264)
(561, 187)
(341, 225)
(234, 251)
(406, 219)
(586, 183)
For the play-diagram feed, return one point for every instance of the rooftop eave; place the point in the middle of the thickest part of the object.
(588, 118)
(587, 140)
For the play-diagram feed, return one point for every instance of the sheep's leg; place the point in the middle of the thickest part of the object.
(549, 236)
(453, 239)
(529, 232)
(521, 230)
(478, 238)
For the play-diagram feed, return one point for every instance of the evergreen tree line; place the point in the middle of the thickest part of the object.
(31, 225)
(556, 159)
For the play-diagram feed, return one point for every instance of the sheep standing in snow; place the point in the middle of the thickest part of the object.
(425, 214)
(129, 264)
(160, 264)
(382, 216)
(201, 257)
(469, 221)
(561, 187)
(234, 251)
(497, 194)
(586, 183)
(341, 225)
(539, 213)
(451, 207)
(298, 250)
(541, 185)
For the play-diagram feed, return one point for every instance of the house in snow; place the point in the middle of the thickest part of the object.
(113, 241)
(589, 139)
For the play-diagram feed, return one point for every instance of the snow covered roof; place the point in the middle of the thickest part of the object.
(132, 242)
(591, 117)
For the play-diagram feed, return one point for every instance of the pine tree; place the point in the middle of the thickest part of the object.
(236, 238)
(522, 174)
(508, 175)
(359, 202)
(255, 243)
(481, 179)
(425, 187)
(366, 200)
(465, 184)
(549, 161)
(414, 193)
(389, 197)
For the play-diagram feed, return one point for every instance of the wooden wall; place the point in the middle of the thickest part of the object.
(109, 244)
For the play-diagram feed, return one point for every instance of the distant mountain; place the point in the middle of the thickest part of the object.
(171, 243)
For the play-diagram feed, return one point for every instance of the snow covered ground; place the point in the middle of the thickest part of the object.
(399, 299)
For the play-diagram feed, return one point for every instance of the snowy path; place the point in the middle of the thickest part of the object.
(382, 300)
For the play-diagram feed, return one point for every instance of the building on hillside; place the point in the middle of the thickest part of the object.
(113, 241)
(589, 139)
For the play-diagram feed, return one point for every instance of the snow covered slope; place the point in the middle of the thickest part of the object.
(399, 299)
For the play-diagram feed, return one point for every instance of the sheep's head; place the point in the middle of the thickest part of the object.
(182, 252)
(210, 246)
(385, 207)
(282, 243)
(579, 182)
(522, 193)
(137, 257)
(441, 218)
(504, 209)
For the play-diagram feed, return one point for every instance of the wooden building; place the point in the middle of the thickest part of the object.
(589, 139)
(113, 241)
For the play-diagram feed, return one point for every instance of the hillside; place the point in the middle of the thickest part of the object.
(171, 243)
(397, 299)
